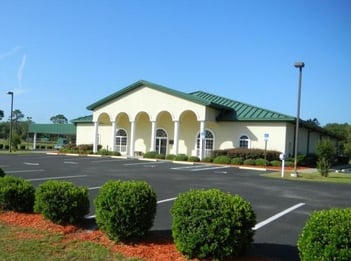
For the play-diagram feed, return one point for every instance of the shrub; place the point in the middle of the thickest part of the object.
(222, 160)
(160, 156)
(150, 155)
(2, 173)
(181, 157)
(62, 202)
(237, 161)
(212, 224)
(326, 236)
(276, 163)
(249, 162)
(125, 209)
(261, 162)
(194, 159)
(170, 157)
(246, 153)
(16, 194)
(289, 163)
(207, 159)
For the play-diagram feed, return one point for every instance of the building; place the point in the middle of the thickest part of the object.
(145, 116)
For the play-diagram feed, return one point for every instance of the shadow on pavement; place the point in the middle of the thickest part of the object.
(275, 252)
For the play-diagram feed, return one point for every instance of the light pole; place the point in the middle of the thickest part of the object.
(10, 143)
(299, 65)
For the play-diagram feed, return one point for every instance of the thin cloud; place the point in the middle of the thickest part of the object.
(10, 52)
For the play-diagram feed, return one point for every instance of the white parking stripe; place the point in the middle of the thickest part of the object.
(143, 163)
(63, 177)
(166, 200)
(276, 216)
(31, 163)
(209, 168)
(23, 171)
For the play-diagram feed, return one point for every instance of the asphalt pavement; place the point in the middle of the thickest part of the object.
(282, 206)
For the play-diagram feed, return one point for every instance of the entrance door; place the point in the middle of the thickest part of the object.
(161, 142)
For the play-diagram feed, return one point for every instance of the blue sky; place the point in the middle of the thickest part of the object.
(59, 56)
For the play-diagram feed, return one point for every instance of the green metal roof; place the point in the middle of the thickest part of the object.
(83, 119)
(64, 129)
(241, 111)
(154, 86)
(230, 110)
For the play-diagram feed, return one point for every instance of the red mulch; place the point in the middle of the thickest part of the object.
(156, 247)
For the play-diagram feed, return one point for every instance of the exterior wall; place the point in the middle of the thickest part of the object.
(228, 134)
(146, 106)
(84, 133)
(135, 101)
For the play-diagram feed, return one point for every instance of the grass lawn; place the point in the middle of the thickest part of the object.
(18, 243)
(313, 176)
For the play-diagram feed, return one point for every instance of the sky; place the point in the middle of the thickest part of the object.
(59, 56)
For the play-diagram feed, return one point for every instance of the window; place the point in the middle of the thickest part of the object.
(208, 144)
(244, 141)
(121, 141)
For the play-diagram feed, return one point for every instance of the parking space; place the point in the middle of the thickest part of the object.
(281, 206)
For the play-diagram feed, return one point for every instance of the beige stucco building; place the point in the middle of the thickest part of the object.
(145, 116)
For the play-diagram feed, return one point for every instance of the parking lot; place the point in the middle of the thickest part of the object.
(282, 207)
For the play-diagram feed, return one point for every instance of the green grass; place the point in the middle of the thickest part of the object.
(314, 176)
(28, 244)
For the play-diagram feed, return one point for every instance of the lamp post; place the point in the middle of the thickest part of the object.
(298, 65)
(10, 143)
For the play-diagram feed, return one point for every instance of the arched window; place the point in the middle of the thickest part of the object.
(121, 141)
(161, 141)
(244, 141)
(208, 144)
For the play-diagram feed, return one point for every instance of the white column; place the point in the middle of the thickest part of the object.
(113, 136)
(35, 141)
(176, 137)
(132, 137)
(153, 135)
(202, 137)
(95, 137)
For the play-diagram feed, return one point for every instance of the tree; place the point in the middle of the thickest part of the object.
(343, 131)
(326, 155)
(1, 114)
(59, 119)
(313, 121)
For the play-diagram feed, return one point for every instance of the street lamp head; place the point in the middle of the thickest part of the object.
(10, 93)
(299, 65)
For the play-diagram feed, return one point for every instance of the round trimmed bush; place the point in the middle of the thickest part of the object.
(150, 155)
(276, 163)
(181, 157)
(237, 161)
(249, 162)
(261, 162)
(62, 202)
(326, 236)
(212, 224)
(194, 159)
(16, 194)
(125, 209)
(222, 160)
(170, 157)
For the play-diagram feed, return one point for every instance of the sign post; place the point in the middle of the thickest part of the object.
(282, 158)
(266, 138)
